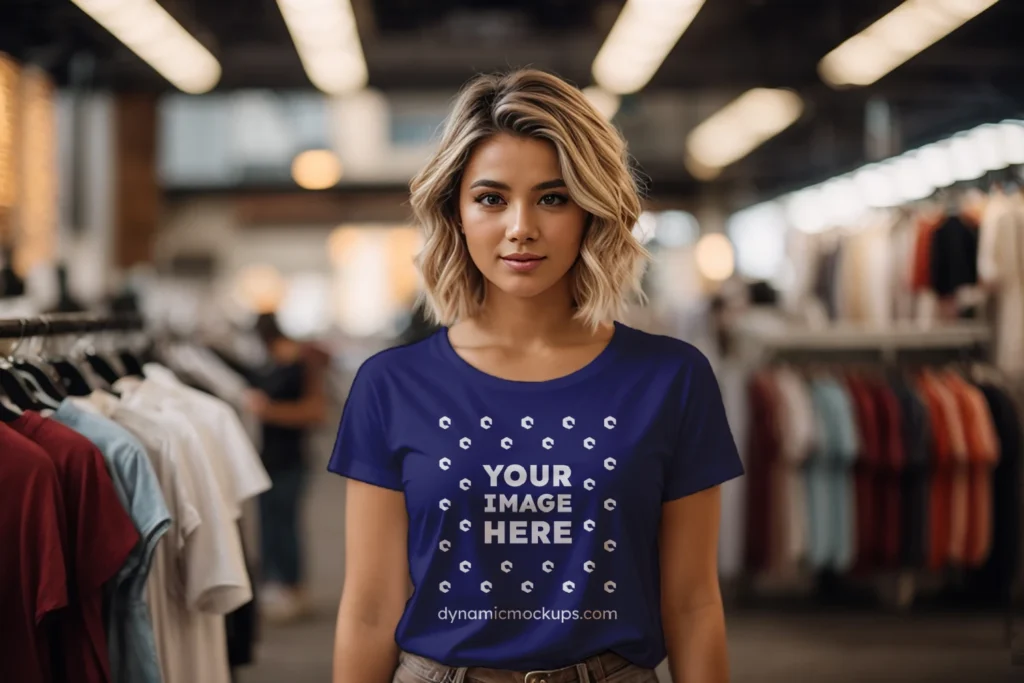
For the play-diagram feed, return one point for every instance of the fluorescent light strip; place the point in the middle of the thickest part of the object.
(638, 43)
(327, 40)
(160, 41)
(905, 32)
(739, 128)
(909, 177)
(605, 102)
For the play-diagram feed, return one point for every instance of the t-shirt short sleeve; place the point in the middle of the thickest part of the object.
(42, 540)
(705, 452)
(361, 450)
(101, 560)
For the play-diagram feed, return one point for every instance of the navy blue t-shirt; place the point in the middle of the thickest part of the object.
(534, 507)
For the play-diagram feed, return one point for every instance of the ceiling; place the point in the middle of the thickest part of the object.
(974, 75)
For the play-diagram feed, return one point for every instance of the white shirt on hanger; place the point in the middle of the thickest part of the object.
(199, 576)
(1001, 266)
(248, 475)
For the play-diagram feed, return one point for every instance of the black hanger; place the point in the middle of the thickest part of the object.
(42, 375)
(41, 396)
(71, 378)
(99, 364)
(42, 379)
(34, 374)
(132, 365)
(102, 368)
(22, 390)
(17, 390)
(8, 411)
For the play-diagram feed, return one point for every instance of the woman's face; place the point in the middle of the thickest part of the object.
(522, 229)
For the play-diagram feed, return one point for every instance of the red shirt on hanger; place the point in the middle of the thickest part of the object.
(100, 537)
(32, 567)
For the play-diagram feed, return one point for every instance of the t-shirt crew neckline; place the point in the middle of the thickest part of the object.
(473, 373)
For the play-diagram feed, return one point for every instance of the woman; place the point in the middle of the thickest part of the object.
(289, 399)
(547, 478)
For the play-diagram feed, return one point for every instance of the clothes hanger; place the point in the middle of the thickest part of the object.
(132, 365)
(71, 379)
(130, 361)
(8, 411)
(85, 352)
(21, 391)
(34, 373)
(101, 366)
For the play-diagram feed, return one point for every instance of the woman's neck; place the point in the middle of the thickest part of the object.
(520, 322)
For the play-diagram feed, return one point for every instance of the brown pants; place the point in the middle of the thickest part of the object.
(604, 668)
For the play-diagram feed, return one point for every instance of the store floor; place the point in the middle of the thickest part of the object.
(764, 648)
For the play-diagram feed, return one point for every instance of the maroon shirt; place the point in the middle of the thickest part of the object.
(100, 537)
(32, 574)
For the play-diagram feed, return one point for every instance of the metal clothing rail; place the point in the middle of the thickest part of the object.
(768, 336)
(69, 323)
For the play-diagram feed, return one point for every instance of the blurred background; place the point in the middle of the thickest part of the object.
(832, 194)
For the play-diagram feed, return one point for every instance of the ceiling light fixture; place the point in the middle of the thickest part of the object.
(327, 40)
(740, 127)
(605, 102)
(716, 259)
(643, 35)
(316, 169)
(151, 33)
(901, 34)
(909, 177)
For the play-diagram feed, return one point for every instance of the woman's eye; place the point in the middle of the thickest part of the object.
(489, 199)
(553, 199)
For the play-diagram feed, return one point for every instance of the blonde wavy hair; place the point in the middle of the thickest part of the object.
(597, 174)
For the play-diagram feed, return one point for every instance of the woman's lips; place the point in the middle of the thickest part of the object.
(521, 263)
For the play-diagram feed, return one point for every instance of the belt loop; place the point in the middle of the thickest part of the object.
(460, 675)
(597, 662)
(582, 675)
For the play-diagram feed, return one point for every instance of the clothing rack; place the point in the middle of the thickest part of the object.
(69, 323)
(112, 431)
(765, 337)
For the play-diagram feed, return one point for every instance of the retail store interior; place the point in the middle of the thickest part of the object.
(833, 198)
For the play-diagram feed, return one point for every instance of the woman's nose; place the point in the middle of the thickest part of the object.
(523, 226)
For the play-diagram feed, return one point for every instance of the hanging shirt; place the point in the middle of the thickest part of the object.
(954, 256)
(830, 486)
(1001, 267)
(764, 445)
(241, 473)
(534, 507)
(133, 656)
(198, 574)
(797, 424)
(915, 436)
(32, 565)
(1000, 572)
(242, 467)
(100, 537)
(237, 467)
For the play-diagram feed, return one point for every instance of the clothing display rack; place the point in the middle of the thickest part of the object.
(765, 336)
(801, 378)
(105, 452)
(69, 323)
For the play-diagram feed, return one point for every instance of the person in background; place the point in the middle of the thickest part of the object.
(289, 399)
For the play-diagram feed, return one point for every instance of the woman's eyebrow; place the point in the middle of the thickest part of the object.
(546, 185)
